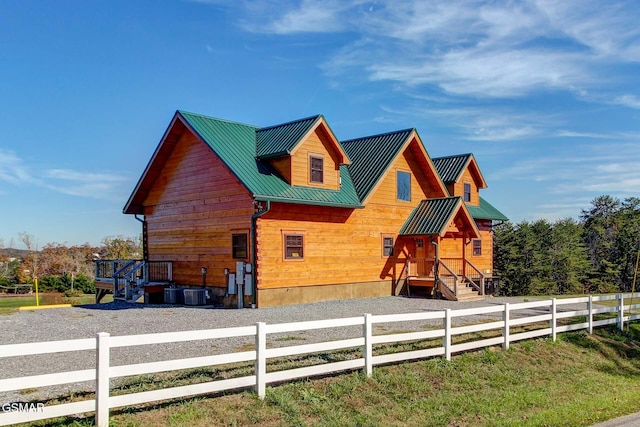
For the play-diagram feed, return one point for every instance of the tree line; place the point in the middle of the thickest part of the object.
(595, 254)
(59, 267)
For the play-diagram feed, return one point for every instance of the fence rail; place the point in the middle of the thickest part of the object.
(503, 318)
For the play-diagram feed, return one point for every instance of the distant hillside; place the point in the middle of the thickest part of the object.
(11, 252)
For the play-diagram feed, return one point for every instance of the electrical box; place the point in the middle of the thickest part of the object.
(248, 288)
(231, 284)
(240, 273)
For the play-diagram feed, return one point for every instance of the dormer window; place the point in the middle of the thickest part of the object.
(467, 192)
(316, 166)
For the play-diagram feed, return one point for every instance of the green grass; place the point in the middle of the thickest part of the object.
(578, 380)
(10, 304)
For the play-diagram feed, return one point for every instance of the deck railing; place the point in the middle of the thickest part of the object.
(151, 271)
(542, 317)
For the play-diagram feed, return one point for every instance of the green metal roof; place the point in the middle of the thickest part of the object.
(371, 156)
(279, 140)
(431, 217)
(235, 145)
(486, 211)
(451, 167)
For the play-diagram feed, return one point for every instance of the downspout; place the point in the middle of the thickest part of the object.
(144, 236)
(254, 247)
(436, 264)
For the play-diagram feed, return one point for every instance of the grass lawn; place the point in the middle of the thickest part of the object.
(578, 380)
(9, 304)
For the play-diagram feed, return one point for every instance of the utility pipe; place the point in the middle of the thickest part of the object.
(254, 246)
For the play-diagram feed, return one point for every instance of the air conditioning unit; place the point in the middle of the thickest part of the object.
(195, 296)
(173, 296)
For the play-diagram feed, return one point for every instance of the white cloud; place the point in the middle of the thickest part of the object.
(498, 49)
(628, 101)
(14, 171)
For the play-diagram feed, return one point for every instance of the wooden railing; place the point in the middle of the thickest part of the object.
(124, 273)
(541, 317)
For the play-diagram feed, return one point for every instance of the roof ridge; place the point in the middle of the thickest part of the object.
(316, 116)
(452, 156)
(217, 119)
(378, 135)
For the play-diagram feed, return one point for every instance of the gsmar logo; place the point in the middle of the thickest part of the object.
(23, 407)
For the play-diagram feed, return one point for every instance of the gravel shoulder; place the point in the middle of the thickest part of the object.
(127, 319)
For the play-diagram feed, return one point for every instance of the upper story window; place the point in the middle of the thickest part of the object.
(316, 166)
(404, 186)
(467, 192)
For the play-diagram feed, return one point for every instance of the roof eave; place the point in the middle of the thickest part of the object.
(265, 198)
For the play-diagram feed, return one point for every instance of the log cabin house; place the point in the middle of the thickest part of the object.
(317, 218)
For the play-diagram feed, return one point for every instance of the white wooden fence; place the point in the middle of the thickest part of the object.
(500, 317)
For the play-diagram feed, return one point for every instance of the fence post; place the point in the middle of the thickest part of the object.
(590, 308)
(261, 359)
(554, 321)
(367, 351)
(102, 379)
(505, 329)
(446, 341)
(621, 311)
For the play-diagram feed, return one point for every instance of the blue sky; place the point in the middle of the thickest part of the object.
(546, 94)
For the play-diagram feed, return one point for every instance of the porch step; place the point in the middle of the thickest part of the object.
(467, 293)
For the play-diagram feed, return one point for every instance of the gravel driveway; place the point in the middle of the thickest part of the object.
(127, 319)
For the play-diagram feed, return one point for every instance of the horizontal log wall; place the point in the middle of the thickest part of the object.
(341, 246)
(316, 144)
(458, 187)
(192, 210)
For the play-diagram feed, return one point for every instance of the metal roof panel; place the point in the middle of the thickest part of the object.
(486, 211)
(431, 216)
(235, 144)
(371, 156)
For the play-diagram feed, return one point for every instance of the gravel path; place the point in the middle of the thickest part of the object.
(126, 319)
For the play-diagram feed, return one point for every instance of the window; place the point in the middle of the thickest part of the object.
(419, 243)
(467, 192)
(404, 186)
(477, 247)
(316, 165)
(387, 246)
(239, 245)
(293, 246)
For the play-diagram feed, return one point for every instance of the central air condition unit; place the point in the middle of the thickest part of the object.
(173, 296)
(195, 296)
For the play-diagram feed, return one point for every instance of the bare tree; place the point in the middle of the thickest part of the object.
(31, 262)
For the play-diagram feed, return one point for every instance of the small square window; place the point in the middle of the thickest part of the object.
(387, 246)
(317, 169)
(293, 246)
(477, 247)
(239, 245)
(404, 186)
(467, 192)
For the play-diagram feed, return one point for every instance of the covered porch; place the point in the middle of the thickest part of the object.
(439, 235)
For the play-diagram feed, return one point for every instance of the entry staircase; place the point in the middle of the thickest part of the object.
(128, 279)
(450, 278)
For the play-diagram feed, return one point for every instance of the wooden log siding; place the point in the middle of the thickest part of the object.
(337, 248)
(316, 144)
(341, 245)
(458, 187)
(191, 211)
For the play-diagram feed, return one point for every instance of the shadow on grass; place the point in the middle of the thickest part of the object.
(620, 348)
